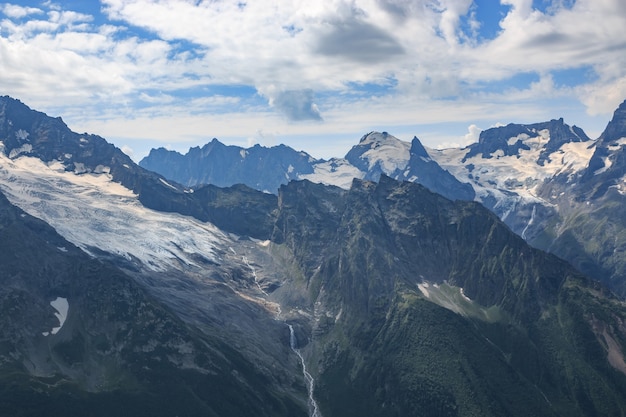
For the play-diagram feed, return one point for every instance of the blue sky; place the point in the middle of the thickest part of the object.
(313, 75)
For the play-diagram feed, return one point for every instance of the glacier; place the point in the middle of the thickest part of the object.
(86, 209)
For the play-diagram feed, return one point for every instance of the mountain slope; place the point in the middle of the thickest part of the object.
(423, 306)
(591, 231)
(113, 349)
(200, 278)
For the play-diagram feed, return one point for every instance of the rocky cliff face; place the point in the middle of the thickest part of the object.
(409, 280)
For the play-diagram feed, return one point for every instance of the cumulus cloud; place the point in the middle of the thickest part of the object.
(451, 13)
(128, 151)
(149, 59)
(472, 135)
(297, 105)
(17, 12)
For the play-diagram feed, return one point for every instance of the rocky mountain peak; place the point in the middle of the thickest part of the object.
(375, 137)
(512, 139)
(379, 153)
(418, 149)
(616, 129)
(607, 166)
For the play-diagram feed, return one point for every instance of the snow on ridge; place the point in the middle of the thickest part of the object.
(106, 215)
(518, 173)
(338, 172)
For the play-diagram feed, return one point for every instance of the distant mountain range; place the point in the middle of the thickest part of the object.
(549, 182)
(393, 292)
(266, 169)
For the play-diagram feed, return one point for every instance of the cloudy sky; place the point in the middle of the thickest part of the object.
(315, 75)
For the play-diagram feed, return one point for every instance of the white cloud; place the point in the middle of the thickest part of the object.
(128, 151)
(473, 133)
(305, 59)
(15, 11)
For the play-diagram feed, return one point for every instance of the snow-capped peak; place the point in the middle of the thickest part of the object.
(388, 152)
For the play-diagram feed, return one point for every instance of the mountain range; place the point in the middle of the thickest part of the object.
(398, 280)
(549, 182)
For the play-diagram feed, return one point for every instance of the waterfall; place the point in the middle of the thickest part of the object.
(293, 342)
(310, 382)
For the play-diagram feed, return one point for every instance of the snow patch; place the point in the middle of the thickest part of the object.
(22, 134)
(614, 146)
(573, 156)
(243, 153)
(465, 296)
(167, 184)
(79, 168)
(101, 169)
(56, 165)
(26, 148)
(338, 172)
(514, 139)
(62, 307)
(607, 164)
